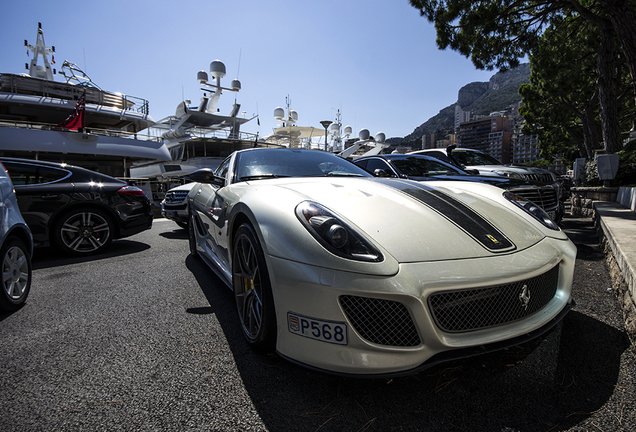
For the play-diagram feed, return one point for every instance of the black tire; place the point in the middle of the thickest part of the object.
(253, 290)
(83, 231)
(192, 240)
(16, 274)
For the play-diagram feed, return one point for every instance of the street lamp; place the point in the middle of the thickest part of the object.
(325, 124)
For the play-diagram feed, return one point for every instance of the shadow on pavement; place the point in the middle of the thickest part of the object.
(50, 257)
(552, 383)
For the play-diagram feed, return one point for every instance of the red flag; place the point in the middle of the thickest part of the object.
(75, 121)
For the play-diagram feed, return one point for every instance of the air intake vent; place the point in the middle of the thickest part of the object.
(380, 321)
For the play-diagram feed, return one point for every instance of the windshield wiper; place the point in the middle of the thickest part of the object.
(260, 177)
(342, 174)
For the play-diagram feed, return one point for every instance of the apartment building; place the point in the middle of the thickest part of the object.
(490, 135)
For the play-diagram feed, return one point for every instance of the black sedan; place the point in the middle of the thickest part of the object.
(426, 168)
(74, 209)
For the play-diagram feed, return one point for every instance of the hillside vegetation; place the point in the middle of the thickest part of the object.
(481, 98)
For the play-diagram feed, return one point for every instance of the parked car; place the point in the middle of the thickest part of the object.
(352, 274)
(16, 248)
(482, 163)
(174, 206)
(75, 209)
(426, 168)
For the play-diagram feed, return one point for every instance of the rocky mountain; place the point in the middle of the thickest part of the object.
(480, 98)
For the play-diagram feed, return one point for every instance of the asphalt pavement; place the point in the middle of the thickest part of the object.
(146, 338)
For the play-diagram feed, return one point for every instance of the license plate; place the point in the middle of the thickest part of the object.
(326, 331)
(169, 213)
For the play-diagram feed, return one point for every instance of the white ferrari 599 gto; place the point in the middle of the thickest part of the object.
(346, 273)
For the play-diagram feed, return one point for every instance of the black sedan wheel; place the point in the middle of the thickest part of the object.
(84, 231)
(16, 274)
(253, 291)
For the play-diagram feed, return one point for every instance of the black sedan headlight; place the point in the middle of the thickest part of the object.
(334, 234)
(533, 209)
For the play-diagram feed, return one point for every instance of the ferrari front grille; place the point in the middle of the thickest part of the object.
(473, 309)
(384, 322)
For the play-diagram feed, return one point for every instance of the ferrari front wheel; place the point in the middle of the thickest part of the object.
(253, 290)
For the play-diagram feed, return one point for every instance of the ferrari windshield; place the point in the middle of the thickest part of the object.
(275, 163)
(469, 158)
(424, 167)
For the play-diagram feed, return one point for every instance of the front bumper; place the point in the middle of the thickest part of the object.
(308, 291)
(177, 213)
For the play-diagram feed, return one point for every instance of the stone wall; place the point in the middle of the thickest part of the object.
(583, 198)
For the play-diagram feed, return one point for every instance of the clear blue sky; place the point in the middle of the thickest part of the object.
(375, 61)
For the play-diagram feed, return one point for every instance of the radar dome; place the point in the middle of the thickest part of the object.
(335, 127)
(380, 137)
(279, 113)
(236, 85)
(364, 134)
(202, 77)
(348, 130)
(294, 115)
(217, 69)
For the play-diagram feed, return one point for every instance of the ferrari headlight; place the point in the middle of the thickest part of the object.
(334, 234)
(533, 209)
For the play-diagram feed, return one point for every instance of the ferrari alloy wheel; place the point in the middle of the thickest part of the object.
(16, 274)
(84, 231)
(253, 291)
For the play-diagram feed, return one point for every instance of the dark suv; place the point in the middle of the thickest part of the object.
(425, 168)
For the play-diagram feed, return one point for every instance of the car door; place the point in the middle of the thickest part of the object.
(219, 204)
(41, 192)
(209, 207)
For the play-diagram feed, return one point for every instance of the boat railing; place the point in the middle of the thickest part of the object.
(203, 133)
(146, 136)
(22, 84)
(198, 132)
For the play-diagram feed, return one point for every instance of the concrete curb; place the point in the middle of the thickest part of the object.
(618, 224)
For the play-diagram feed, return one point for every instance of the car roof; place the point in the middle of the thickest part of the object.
(74, 169)
(398, 156)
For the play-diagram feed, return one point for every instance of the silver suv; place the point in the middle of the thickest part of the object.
(475, 160)
(175, 207)
(16, 248)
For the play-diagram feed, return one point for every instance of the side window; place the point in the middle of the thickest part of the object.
(439, 155)
(27, 174)
(221, 171)
(362, 164)
(375, 164)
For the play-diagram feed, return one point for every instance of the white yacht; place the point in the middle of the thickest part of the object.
(199, 136)
(72, 121)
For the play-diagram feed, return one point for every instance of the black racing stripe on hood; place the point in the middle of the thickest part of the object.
(456, 212)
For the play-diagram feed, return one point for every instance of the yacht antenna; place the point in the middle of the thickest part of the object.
(238, 69)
